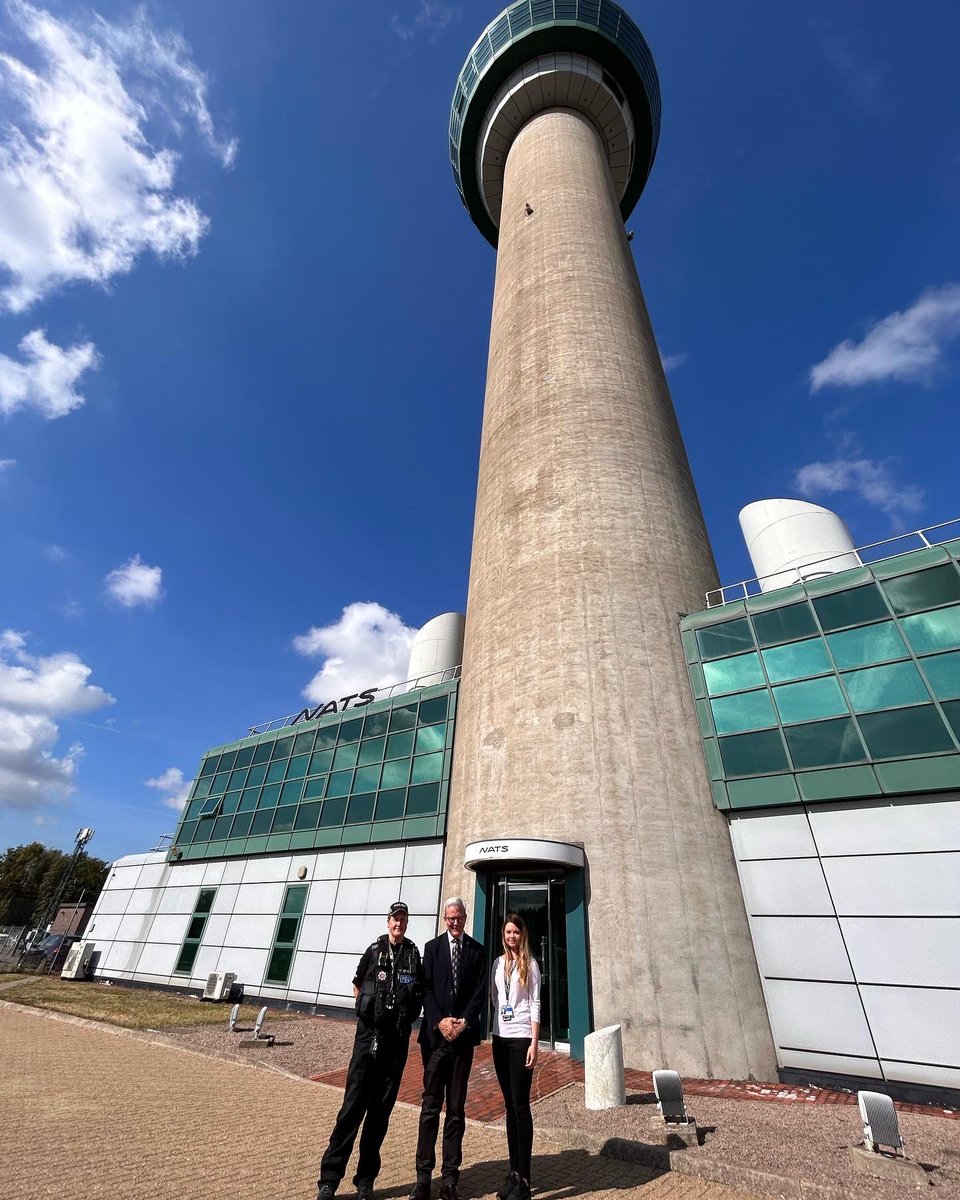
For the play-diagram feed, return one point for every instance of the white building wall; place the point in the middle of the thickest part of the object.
(854, 909)
(141, 918)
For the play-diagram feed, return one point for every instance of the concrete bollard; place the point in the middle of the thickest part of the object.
(603, 1068)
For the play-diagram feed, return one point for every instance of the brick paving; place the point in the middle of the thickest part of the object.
(94, 1113)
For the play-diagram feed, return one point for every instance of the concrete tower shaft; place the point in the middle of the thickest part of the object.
(575, 719)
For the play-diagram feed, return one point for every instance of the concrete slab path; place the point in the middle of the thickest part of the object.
(93, 1113)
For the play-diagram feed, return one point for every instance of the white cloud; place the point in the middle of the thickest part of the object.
(135, 583)
(55, 553)
(672, 361)
(872, 481)
(431, 17)
(905, 346)
(83, 191)
(34, 691)
(368, 647)
(46, 380)
(171, 782)
(7, 464)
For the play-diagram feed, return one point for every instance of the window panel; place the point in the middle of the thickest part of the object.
(256, 775)
(315, 788)
(298, 766)
(195, 929)
(885, 687)
(276, 771)
(400, 745)
(211, 806)
(221, 828)
(339, 784)
(346, 756)
(320, 762)
(427, 768)
(360, 809)
(390, 805)
(205, 900)
(366, 779)
(287, 929)
(852, 607)
(228, 761)
(395, 774)
(371, 750)
(749, 710)
(430, 738)
(269, 796)
(753, 753)
(237, 780)
(809, 701)
(248, 800)
(283, 819)
(262, 753)
(423, 799)
(262, 820)
(333, 812)
(432, 711)
(952, 713)
(824, 744)
(204, 829)
(943, 672)
(185, 961)
(187, 830)
(231, 802)
(219, 785)
(209, 766)
(717, 641)
(350, 731)
(290, 792)
(327, 737)
(241, 824)
(784, 624)
(282, 748)
(375, 724)
(202, 787)
(923, 589)
(938, 630)
(863, 647)
(303, 742)
(403, 718)
(796, 660)
(905, 731)
(733, 674)
(279, 968)
(308, 816)
(194, 809)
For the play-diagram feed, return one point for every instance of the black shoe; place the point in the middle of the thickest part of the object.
(364, 1190)
(522, 1189)
(326, 1191)
(509, 1184)
(448, 1190)
(421, 1191)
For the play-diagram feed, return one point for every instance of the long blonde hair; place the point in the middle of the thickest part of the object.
(522, 957)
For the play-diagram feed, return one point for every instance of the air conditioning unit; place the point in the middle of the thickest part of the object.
(78, 961)
(218, 986)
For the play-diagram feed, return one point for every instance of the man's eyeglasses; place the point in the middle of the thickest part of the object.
(456, 919)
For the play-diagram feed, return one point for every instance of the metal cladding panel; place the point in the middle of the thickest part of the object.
(797, 1009)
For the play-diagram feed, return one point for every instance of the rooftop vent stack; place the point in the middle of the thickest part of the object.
(437, 646)
(790, 541)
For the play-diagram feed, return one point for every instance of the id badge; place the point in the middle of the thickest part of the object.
(506, 1012)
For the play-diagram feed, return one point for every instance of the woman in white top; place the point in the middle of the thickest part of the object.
(515, 990)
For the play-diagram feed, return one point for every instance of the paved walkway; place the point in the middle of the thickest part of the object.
(91, 1113)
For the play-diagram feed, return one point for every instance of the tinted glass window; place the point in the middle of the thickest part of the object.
(733, 674)
(244, 757)
(433, 710)
(861, 647)
(282, 747)
(824, 744)
(716, 641)
(796, 660)
(423, 799)
(430, 738)
(938, 630)
(390, 805)
(905, 731)
(853, 607)
(350, 731)
(753, 754)
(784, 624)
(885, 687)
(810, 701)
(749, 710)
(376, 724)
(923, 589)
(943, 671)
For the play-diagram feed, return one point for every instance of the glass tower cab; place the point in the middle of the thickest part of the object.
(544, 882)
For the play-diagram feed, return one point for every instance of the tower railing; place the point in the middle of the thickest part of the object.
(387, 692)
(873, 552)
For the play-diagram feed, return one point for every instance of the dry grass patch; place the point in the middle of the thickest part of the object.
(133, 1008)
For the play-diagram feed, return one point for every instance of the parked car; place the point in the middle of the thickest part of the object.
(50, 952)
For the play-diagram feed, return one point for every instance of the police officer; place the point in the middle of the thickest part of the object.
(388, 987)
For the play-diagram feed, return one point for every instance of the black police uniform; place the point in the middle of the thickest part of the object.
(390, 980)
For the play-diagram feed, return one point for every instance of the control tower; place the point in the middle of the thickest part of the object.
(576, 728)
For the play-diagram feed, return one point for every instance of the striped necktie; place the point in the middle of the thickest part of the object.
(455, 963)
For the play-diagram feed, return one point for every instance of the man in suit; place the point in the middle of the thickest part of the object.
(455, 989)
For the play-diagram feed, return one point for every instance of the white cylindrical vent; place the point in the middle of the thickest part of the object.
(437, 646)
(790, 541)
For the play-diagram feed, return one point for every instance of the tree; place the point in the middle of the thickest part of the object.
(31, 874)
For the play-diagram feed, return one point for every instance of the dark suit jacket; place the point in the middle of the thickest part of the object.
(439, 1000)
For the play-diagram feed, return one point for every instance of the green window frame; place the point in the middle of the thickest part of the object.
(195, 928)
(286, 934)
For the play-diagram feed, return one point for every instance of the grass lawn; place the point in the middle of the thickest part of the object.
(134, 1008)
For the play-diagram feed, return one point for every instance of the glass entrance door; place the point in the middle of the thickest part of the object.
(539, 899)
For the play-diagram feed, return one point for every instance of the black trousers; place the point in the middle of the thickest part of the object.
(373, 1080)
(515, 1078)
(446, 1072)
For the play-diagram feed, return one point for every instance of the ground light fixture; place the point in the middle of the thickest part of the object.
(669, 1092)
(880, 1126)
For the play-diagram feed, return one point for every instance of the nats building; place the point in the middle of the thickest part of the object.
(730, 818)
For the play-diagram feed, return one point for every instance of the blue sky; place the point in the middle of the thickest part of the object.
(243, 331)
